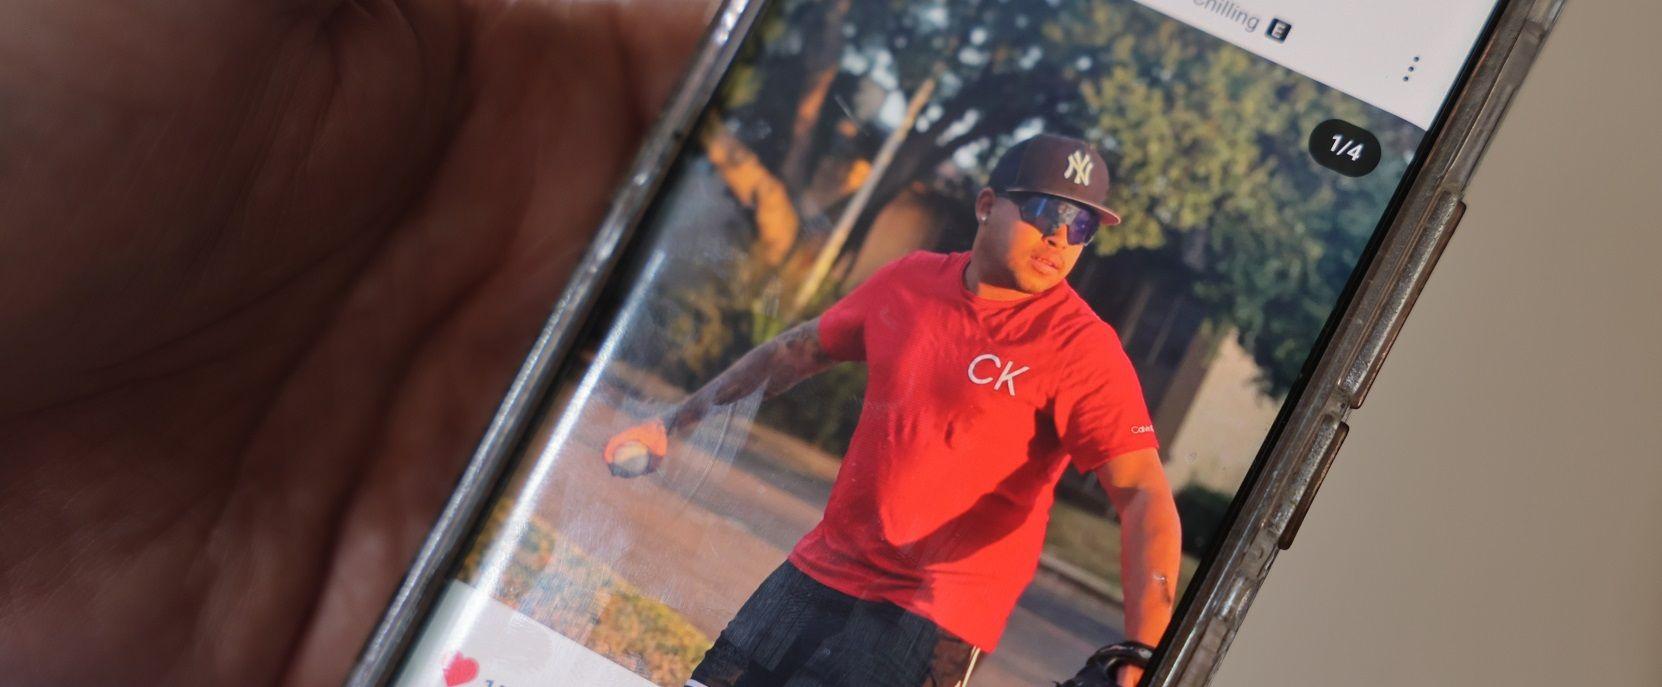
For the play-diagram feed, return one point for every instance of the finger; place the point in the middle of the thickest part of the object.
(551, 111)
(659, 35)
(642, 45)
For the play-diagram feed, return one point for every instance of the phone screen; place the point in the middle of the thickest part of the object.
(948, 341)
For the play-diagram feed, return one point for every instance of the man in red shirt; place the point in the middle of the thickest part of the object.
(988, 376)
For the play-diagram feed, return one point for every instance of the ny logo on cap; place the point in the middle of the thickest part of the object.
(1079, 168)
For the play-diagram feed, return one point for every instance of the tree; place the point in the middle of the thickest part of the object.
(1209, 141)
(754, 187)
(1205, 141)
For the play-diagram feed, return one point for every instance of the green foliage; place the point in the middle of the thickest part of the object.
(647, 637)
(1206, 143)
(566, 590)
(1196, 504)
(821, 410)
(1209, 141)
(712, 317)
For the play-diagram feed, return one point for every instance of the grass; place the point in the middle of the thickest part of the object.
(566, 590)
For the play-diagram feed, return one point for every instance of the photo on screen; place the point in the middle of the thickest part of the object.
(928, 269)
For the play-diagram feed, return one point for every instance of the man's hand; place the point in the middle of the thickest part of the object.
(650, 436)
(265, 268)
(1116, 665)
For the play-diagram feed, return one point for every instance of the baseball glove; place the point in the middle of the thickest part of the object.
(1102, 667)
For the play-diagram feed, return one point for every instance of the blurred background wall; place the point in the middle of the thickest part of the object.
(1495, 517)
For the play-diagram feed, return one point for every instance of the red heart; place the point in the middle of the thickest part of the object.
(460, 671)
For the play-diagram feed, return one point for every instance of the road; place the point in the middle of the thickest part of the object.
(728, 505)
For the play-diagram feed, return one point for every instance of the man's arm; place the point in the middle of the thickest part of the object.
(771, 367)
(774, 366)
(1151, 541)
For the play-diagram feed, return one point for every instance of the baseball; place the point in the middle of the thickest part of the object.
(631, 459)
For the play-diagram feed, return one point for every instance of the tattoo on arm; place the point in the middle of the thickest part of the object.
(774, 366)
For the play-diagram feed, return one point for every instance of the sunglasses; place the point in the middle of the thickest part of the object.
(1049, 213)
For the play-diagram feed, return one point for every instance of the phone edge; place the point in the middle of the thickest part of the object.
(383, 652)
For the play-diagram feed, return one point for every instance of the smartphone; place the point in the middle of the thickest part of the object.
(986, 342)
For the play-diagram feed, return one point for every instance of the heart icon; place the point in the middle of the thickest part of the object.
(460, 671)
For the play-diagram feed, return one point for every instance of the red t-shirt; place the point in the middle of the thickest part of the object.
(972, 410)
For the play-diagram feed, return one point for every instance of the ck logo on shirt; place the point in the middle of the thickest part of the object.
(999, 373)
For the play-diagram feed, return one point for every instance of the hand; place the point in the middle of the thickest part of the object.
(650, 434)
(265, 268)
(1116, 664)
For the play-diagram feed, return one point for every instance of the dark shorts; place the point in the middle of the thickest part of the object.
(796, 632)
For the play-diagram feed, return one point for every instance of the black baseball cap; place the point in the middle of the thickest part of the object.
(1059, 166)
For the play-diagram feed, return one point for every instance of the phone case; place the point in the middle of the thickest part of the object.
(1277, 491)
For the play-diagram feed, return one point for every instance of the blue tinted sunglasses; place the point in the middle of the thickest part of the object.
(1049, 213)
